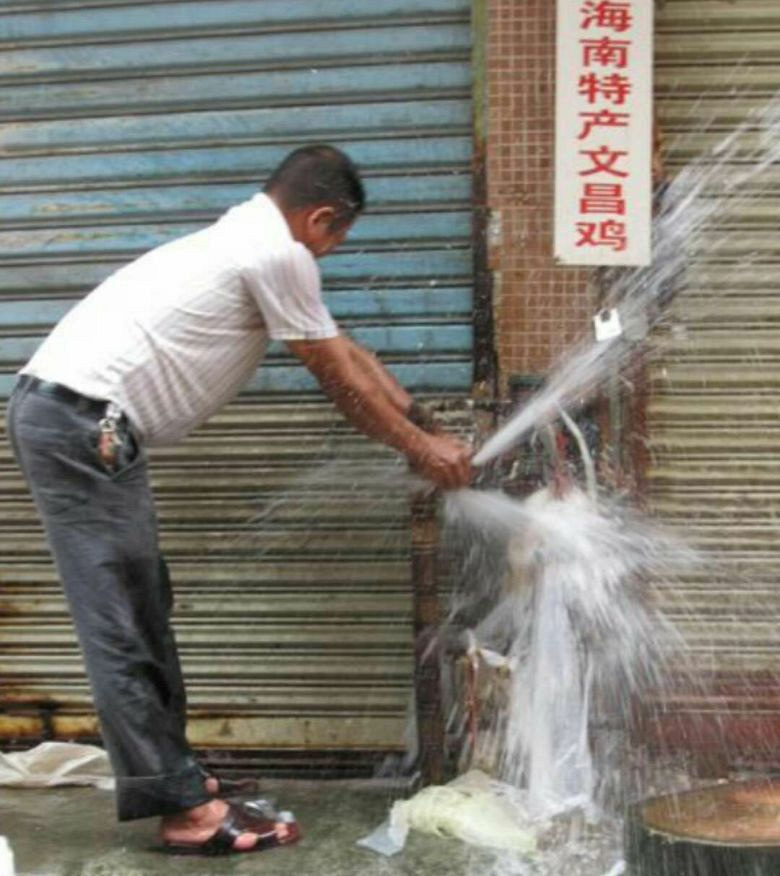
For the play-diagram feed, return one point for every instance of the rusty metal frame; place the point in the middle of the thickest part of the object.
(427, 650)
(426, 606)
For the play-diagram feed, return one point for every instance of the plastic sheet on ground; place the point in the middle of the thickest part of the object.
(6, 858)
(473, 808)
(56, 763)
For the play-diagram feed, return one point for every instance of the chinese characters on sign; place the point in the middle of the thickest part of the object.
(603, 132)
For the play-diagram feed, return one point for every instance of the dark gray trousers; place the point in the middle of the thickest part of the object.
(102, 530)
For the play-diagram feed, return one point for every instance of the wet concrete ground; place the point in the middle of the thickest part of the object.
(73, 832)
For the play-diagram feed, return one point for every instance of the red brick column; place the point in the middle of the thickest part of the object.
(539, 308)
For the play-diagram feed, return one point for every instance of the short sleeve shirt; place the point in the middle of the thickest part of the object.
(173, 336)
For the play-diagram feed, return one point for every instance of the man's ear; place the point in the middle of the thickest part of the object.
(322, 218)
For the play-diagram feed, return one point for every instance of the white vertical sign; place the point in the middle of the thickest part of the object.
(603, 132)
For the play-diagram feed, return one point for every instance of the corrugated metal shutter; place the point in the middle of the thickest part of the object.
(713, 412)
(128, 124)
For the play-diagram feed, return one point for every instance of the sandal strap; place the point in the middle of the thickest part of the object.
(236, 822)
(252, 822)
(223, 840)
(232, 786)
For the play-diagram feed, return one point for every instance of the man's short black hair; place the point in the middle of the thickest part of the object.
(319, 174)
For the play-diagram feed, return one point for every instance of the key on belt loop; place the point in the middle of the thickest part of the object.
(109, 440)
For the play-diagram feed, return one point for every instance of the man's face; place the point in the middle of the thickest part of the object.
(321, 232)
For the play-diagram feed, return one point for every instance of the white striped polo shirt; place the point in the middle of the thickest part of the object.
(173, 336)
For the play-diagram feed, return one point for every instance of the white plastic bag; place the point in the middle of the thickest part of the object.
(56, 763)
(6, 858)
(473, 808)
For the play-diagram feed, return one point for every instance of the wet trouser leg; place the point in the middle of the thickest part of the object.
(101, 527)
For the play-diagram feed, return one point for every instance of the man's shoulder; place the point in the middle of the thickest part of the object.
(259, 231)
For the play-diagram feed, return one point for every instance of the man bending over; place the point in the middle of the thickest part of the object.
(144, 359)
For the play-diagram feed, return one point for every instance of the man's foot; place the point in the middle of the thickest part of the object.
(218, 827)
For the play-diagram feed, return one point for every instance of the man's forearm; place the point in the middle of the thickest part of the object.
(419, 414)
(381, 412)
(384, 380)
(349, 376)
(372, 413)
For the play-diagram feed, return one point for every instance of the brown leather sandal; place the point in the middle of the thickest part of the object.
(232, 787)
(238, 820)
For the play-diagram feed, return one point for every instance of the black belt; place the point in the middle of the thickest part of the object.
(82, 403)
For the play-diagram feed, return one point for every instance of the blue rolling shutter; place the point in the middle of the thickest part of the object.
(123, 125)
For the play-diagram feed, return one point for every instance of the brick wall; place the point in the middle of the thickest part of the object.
(539, 309)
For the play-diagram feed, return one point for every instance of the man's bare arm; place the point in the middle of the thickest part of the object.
(421, 415)
(394, 392)
(378, 410)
